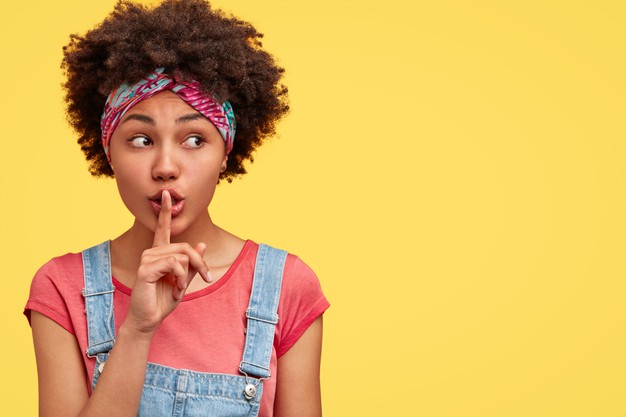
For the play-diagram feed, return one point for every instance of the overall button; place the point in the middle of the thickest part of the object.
(101, 367)
(249, 391)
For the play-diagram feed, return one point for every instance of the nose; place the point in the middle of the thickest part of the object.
(165, 167)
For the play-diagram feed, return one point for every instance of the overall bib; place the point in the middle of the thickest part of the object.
(181, 392)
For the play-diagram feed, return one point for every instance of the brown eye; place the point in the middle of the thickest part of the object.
(194, 141)
(140, 142)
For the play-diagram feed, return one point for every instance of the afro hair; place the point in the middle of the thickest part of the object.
(187, 37)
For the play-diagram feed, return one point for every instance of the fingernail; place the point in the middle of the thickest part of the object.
(209, 276)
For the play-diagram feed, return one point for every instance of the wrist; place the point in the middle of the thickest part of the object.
(135, 332)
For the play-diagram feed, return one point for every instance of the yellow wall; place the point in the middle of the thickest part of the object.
(453, 171)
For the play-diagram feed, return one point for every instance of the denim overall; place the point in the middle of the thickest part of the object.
(180, 392)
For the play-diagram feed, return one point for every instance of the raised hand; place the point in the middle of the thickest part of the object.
(164, 273)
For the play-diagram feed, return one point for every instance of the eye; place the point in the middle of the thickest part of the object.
(140, 142)
(194, 141)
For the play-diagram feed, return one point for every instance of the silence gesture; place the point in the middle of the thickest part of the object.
(164, 273)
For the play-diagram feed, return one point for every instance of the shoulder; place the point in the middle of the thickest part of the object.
(60, 269)
(297, 275)
(56, 289)
(301, 302)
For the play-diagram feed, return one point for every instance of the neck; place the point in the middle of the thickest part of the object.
(139, 238)
(222, 248)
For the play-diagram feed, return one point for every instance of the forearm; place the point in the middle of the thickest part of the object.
(120, 385)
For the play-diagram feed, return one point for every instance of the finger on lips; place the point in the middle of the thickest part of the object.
(184, 253)
(163, 229)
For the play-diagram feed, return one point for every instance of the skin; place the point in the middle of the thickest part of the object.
(162, 144)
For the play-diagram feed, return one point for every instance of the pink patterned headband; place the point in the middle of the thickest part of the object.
(126, 96)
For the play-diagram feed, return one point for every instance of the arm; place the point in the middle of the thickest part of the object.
(61, 373)
(298, 382)
(162, 278)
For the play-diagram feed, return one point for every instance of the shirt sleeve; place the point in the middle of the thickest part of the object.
(302, 301)
(46, 297)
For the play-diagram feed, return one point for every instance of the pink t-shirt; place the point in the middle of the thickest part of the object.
(205, 332)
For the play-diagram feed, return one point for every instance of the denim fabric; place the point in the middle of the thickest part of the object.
(261, 312)
(180, 392)
(98, 294)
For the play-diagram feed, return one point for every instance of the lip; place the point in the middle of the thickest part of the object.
(177, 200)
(157, 196)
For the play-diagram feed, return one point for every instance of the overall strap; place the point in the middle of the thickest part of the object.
(98, 294)
(262, 311)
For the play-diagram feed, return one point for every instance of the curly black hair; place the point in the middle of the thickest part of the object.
(186, 37)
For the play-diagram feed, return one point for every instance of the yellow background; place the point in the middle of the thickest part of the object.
(452, 170)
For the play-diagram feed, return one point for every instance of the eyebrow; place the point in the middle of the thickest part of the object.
(147, 119)
(139, 117)
(189, 117)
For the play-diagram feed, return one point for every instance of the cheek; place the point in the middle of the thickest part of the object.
(125, 191)
(205, 182)
(204, 171)
(126, 176)
(128, 185)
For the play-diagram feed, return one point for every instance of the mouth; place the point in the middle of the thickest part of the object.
(178, 202)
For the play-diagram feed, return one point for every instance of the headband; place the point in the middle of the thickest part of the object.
(126, 96)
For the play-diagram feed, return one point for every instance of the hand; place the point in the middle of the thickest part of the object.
(164, 273)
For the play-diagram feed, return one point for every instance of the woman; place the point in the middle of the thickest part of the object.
(176, 316)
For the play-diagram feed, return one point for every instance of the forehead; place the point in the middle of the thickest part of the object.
(163, 104)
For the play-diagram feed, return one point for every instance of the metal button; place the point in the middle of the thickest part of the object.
(101, 367)
(249, 391)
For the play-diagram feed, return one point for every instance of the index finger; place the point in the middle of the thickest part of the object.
(163, 228)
